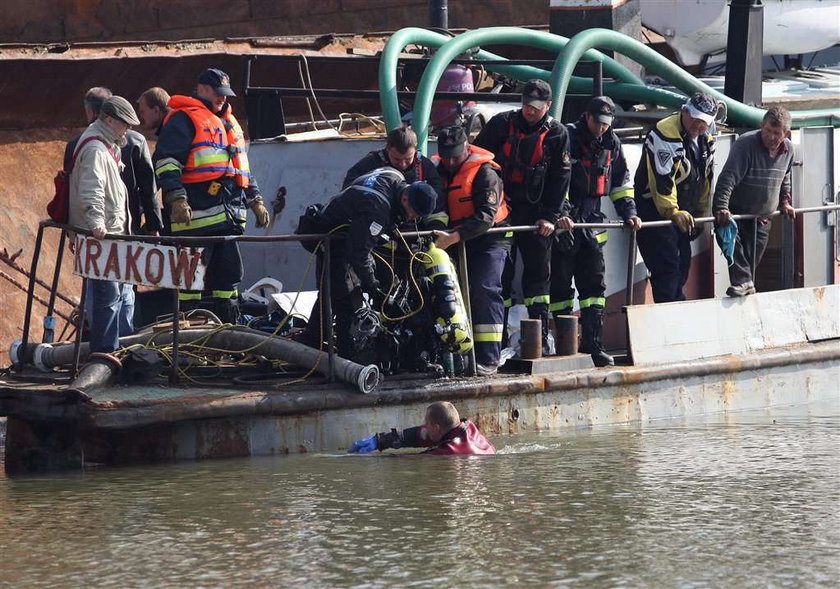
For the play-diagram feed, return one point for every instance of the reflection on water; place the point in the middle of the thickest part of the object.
(747, 499)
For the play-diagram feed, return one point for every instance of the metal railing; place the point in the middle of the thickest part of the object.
(463, 271)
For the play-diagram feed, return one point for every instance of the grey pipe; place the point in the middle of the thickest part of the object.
(100, 370)
(364, 378)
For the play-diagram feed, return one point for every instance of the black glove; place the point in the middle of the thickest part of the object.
(696, 232)
(392, 439)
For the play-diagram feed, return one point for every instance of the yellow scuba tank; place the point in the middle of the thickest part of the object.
(447, 303)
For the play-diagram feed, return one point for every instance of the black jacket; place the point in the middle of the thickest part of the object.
(551, 203)
(371, 207)
(583, 194)
(422, 169)
(139, 178)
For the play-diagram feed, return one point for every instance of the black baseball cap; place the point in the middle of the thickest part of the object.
(451, 141)
(536, 93)
(218, 79)
(602, 108)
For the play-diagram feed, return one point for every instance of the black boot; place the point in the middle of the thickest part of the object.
(227, 310)
(592, 325)
(313, 334)
(540, 311)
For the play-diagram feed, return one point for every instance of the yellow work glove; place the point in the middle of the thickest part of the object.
(683, 220)
(260, 212)
(180, 211)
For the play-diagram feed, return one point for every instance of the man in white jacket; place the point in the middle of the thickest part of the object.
(98, 202)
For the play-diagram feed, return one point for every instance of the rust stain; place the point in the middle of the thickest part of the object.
(279, 202)
(487, 423)
(222, 439)
(728, 390)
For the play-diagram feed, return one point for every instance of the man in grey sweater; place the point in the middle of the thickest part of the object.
(755, 181)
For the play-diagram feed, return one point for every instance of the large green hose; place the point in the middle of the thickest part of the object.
(403, 37)
(738, 113)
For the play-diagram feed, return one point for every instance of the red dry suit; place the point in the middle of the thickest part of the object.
(465, 438)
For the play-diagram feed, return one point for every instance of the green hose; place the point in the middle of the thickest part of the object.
(411, 35)
(738, 113)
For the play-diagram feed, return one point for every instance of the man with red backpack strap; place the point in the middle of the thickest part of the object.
(475, 202)
(202, 168)
(137, 171)
(98, 202)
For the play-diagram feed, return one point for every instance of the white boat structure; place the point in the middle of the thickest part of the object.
(697, 29)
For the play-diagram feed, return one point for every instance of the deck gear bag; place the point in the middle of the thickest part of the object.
(59, 207)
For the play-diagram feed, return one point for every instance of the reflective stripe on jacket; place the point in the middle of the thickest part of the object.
(218, 148)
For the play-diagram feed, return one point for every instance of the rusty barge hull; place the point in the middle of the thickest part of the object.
(52, 429)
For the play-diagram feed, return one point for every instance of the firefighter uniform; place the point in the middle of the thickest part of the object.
(674, 178)
(202, 155)
(422, 169)
(535, 170)
(598, 169)
(475, 202)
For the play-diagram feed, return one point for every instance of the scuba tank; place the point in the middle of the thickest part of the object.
(448, 307)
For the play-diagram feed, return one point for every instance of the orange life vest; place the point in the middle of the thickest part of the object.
(218, 147)
(459, 188)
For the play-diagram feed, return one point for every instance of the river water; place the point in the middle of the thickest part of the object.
(738, 500)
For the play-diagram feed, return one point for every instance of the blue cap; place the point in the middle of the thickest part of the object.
(218, 80)
(422, 198)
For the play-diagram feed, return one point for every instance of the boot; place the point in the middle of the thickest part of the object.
(540, 311)
(313, 333)
(227, 310)
(592, 326)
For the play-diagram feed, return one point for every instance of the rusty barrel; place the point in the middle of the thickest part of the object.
(566, 328)
(530, 339)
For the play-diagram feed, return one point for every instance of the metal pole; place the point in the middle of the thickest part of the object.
(464, 279)
(597, 78)
(326, 304)
(631, 270)
(176, 329)
(77, 345)
(628, 290)
(33, 269)
(754, 249)
(788, 252)
(439, 14)
(49, 320)
(744, 51)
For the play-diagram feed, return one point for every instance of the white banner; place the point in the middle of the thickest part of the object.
(135, 262)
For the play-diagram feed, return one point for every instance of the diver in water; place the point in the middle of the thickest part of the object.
(443, 433)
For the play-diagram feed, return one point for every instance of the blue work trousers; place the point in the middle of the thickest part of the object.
(110, 310)
(486, 264)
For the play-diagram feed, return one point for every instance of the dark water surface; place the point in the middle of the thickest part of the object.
(748, 499)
